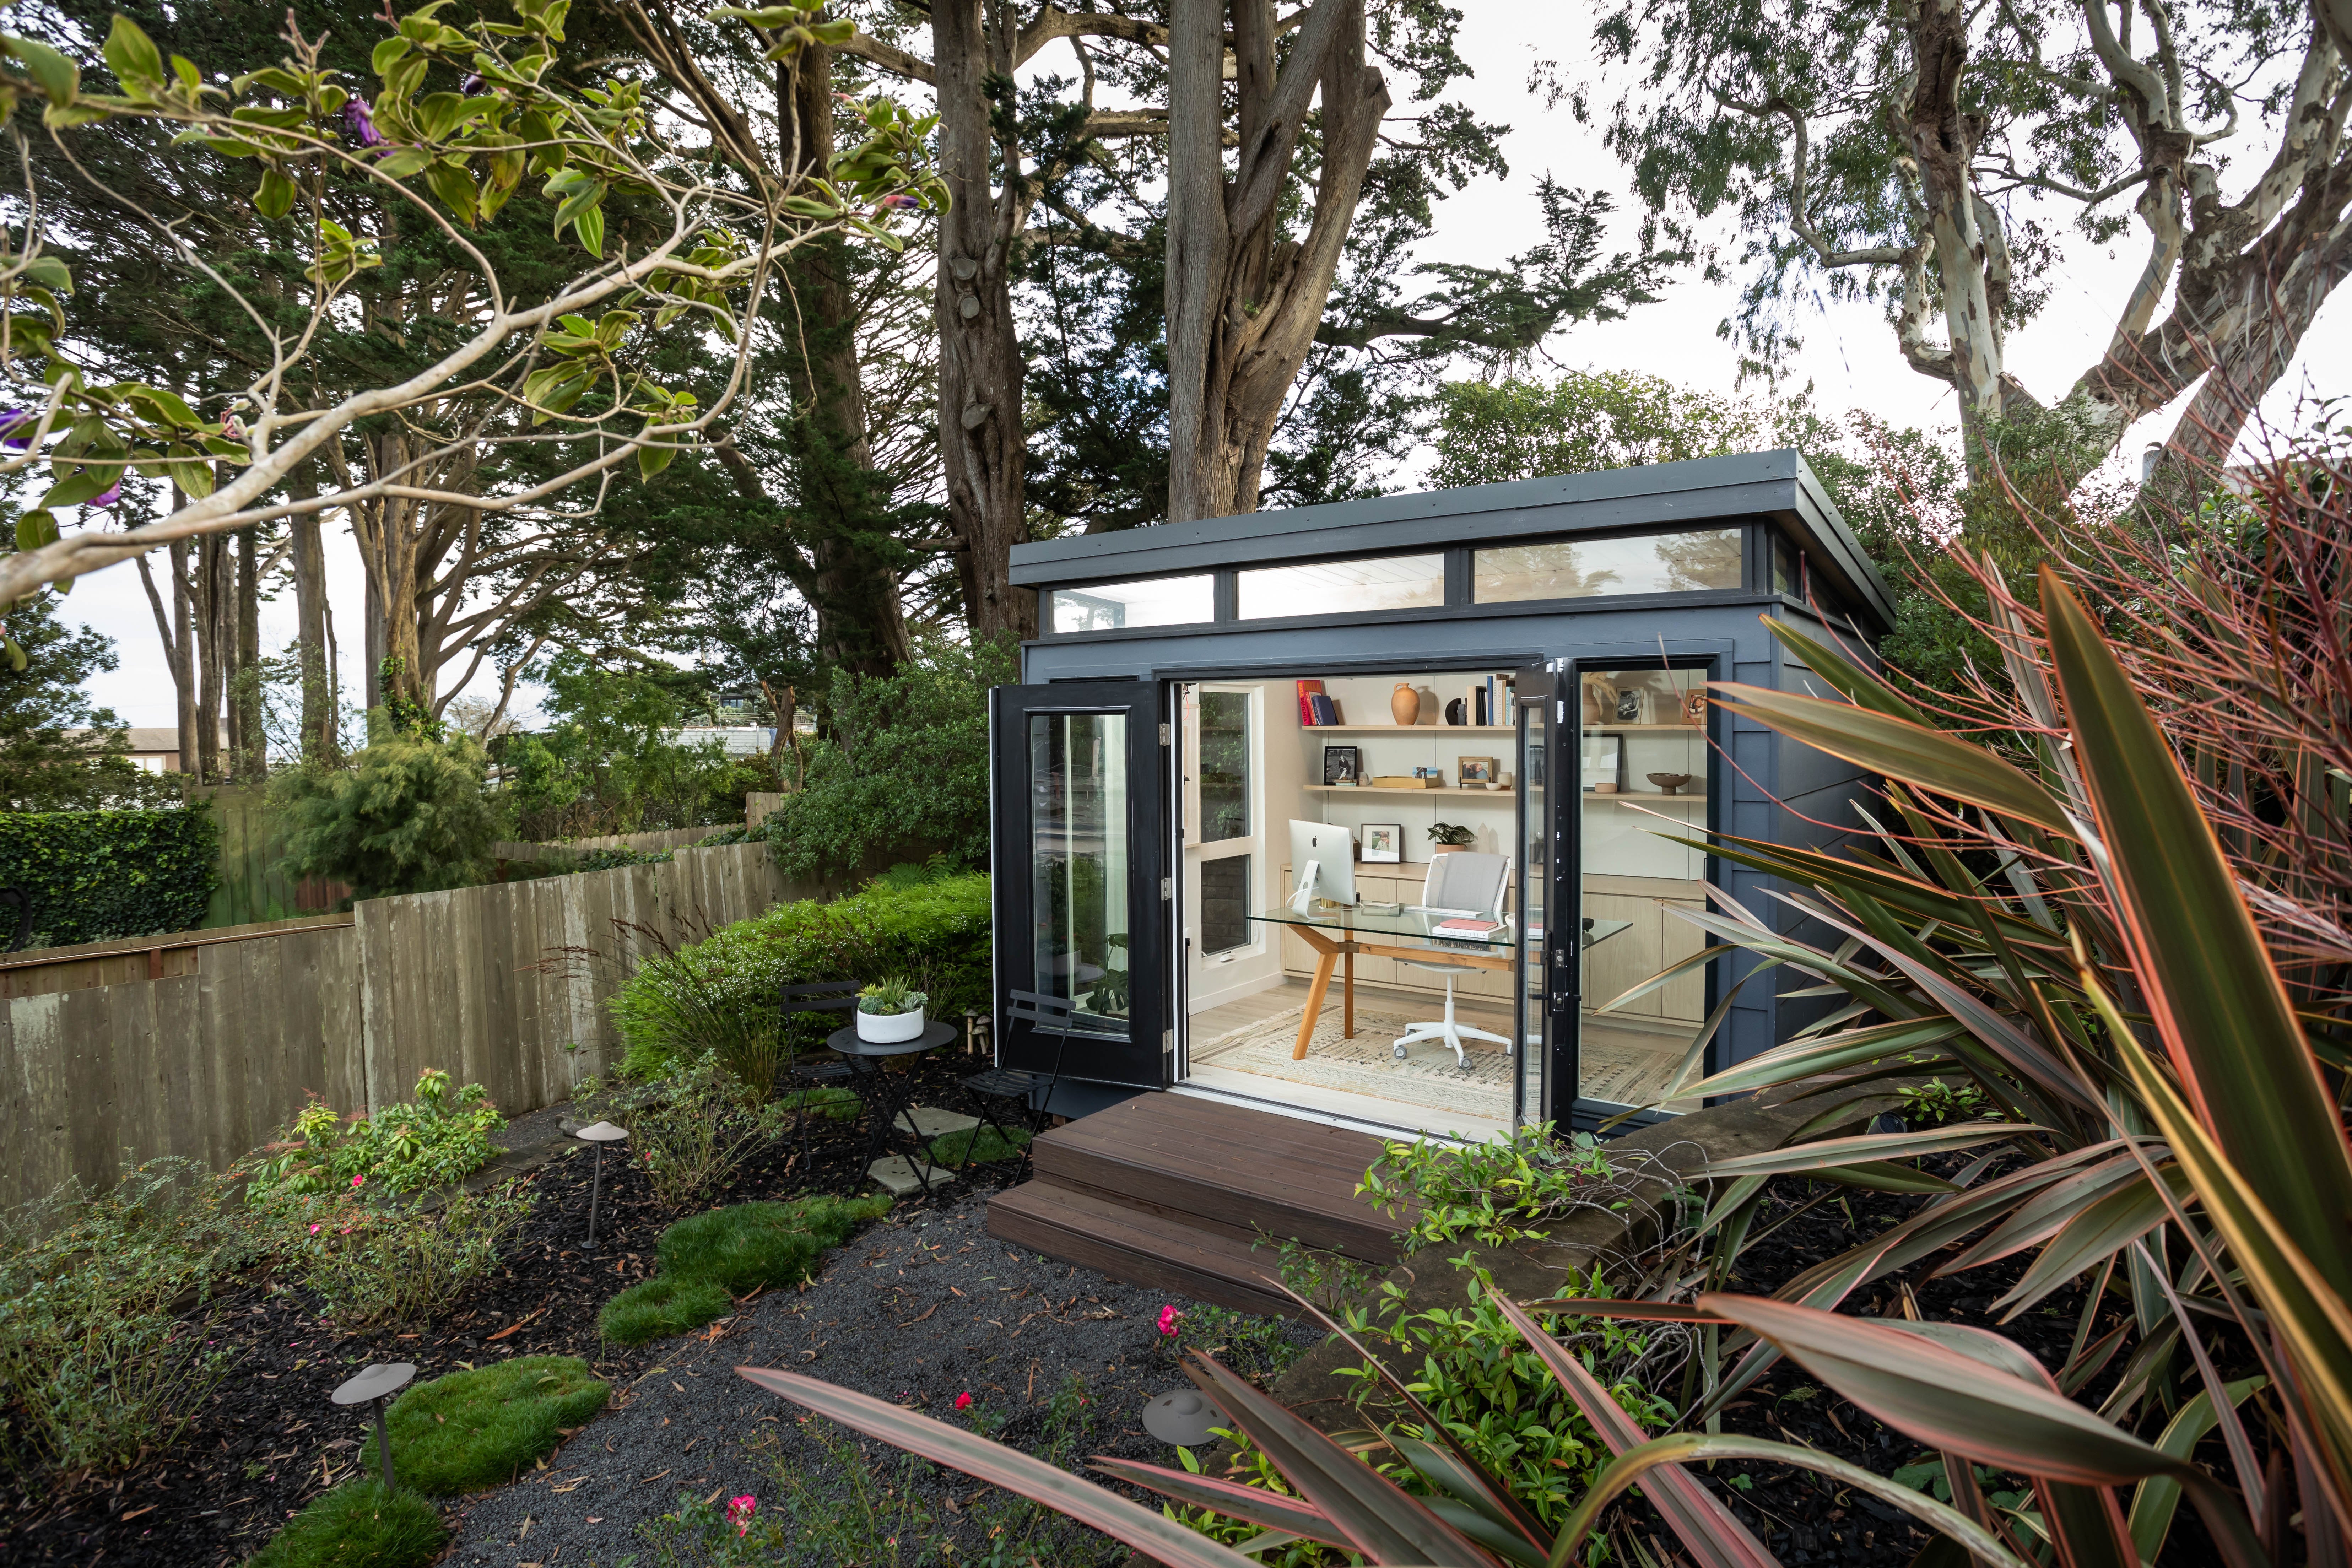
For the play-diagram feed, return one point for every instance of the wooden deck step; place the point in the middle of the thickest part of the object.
(1135, 1246)
(1248, 1171)
(1170, 1191)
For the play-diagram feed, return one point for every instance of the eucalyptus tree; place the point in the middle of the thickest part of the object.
(454, 121)
(1931, 155)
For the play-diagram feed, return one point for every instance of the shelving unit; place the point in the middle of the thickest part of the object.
(1500, 795)
(1429, 731)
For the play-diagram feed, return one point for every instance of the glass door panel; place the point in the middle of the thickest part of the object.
(1079, 859)
(1534, 691)
(1645, 775)
(1081, 913)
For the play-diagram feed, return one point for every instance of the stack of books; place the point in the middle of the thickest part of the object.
(1314, 707)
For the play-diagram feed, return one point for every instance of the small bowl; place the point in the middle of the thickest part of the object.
(1669, 784)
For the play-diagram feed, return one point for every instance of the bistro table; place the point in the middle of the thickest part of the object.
(870, 1083)
(1337, 932)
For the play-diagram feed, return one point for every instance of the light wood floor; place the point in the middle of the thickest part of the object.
(1626, 1066)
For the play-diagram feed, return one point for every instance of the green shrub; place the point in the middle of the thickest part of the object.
(746, 1245)
(660, 1309)
(437, 1139)
(101, 1360)
(378, 1263)
(471, 1431)
(938, 925)
(358, 1525)
(91, 875)
(902, 770)
(407, 815)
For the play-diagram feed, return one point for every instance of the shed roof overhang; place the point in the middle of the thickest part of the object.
(1779, 486)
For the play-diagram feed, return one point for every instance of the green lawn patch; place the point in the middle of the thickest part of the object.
(994, 1146)
(358, 1525)
(709, 1259)
(746, 1245)
(662, 1307)
(471, 1431)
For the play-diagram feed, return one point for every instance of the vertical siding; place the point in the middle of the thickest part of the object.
(208, 1064)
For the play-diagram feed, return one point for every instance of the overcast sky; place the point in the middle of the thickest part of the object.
(1849, 354)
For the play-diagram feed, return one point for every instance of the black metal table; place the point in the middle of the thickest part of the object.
(871, 1084)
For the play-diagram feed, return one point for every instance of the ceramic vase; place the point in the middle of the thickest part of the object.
(1405, 704)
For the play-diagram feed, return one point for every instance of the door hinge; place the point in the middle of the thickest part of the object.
(1167, 735)
(1167, 888)
(1167, 1042)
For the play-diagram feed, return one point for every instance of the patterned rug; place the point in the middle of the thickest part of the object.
(1427, 1077)
(1365, 1065)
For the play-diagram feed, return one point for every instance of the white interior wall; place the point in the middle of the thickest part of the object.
(1276, 774)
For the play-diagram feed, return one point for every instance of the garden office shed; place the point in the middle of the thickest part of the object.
(1359, 814)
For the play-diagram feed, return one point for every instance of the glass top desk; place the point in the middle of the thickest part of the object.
(1337, 932)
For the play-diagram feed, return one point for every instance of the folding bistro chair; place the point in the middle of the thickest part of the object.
(1031, 1089)
(804, 1001)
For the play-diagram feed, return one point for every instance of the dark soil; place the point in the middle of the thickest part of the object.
(269, 1439)
(1804, 1518)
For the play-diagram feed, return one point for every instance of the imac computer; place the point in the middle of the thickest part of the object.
(1323, 862)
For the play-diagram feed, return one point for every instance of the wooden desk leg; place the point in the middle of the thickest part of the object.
(1347, 996)
(1327, 959)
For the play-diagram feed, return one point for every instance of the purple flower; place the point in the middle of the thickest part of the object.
(902, 200)
(16, 428)
(363, 123)
(473, 86)
(108, 495)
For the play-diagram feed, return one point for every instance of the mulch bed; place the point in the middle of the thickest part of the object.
(269, 1440)
(1806, 1519)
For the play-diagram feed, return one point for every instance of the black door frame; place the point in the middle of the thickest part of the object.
(1586, 1115)
(1137, 1058)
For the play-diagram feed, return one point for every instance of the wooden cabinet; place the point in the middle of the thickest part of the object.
(1655, 936)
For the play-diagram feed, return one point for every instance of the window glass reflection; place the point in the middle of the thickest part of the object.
(1682, 563)
(1151, 602)
(1344, 587)
(1077, 824)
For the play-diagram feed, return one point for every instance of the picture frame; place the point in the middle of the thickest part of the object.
(1343, 764)
(1603, 762)
(1382, 844)
(1469, 771)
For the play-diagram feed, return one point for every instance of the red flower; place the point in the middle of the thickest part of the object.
(963, 1402)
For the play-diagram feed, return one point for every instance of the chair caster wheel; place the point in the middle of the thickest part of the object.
(1399, 1053)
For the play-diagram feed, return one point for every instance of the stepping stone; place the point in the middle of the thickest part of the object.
(933, 1122)
(896, 1174)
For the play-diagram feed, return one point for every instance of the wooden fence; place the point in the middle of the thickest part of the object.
(659, 838)
(203, 1047)
(252, 888)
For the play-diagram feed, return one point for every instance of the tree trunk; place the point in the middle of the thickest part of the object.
(1244, 299)
(319, 696)
(982, 440)
(386, 530)
(214, 643)
(175, 629)
(1940, 143)
(250, 762)
(859, 623)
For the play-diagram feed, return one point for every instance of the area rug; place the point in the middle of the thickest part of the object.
(1367, 1065)
(1427, 1077)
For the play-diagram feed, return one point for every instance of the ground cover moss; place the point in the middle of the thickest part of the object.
(662, 1307)
(358, 1525)
(994, 1146)
(708, 1259)
(473, 1430)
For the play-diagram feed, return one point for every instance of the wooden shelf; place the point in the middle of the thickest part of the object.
(1645, 796)
(1429, 731)
(1698, 730)
(1499, 796)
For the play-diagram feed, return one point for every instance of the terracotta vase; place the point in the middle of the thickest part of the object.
(1405, 704)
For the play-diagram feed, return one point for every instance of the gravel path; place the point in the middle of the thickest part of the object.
(916, 1309)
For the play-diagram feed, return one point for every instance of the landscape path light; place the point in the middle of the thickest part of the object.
(375, 1384)
(1183, 1418)
(599, 1133)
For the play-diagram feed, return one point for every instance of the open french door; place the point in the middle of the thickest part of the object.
(1079, 791)
(1547, 991)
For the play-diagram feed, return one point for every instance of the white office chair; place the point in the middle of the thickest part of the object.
(1470, 886)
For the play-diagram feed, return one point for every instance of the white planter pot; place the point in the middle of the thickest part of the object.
(890, 1028)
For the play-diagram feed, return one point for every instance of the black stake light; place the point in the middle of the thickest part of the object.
(375, 1384)
(598, 1133)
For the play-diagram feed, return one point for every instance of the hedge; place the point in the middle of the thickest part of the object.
(935, 928)
(91, 875)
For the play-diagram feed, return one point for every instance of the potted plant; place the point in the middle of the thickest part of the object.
(1445, 837)
(890, 1012)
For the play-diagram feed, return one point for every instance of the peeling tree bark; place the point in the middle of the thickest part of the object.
(1244, 298)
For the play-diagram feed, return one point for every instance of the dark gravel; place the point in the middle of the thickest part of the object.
(918, 1310)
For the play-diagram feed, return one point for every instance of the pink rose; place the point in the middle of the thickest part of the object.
(963, 1402)
(359, 1181)
(739, 1510)
(1168, 1317)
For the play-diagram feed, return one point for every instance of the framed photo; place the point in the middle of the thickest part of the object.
(1343, 764)
(1384, 844)
(1474, 771)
